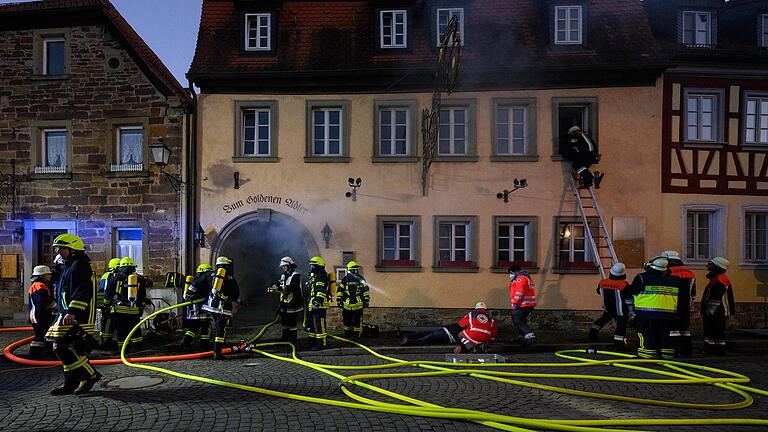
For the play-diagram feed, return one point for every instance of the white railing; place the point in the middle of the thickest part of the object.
(50, 169)
(126, 167)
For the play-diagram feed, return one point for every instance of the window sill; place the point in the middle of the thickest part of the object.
(558, 157)
(754, 265)
(514, 158)
(531, 270)
(703, 144)
(395, 269)
(473, 269)
(326, 159)
(575, 270)
(50, 77)
(755, 147)
(255, 159)
(445, 158)
(54, 176)
(394, 159)
(126, 174)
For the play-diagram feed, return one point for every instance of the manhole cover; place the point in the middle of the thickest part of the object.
(134, 382)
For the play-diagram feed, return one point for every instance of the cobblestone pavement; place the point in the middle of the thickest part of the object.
(179, 404)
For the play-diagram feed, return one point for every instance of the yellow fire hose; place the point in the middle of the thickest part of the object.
(682, 375)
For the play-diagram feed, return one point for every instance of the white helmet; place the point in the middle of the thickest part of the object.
(671, 254)
(618, 269)
(720, 262)
(659, 264)
(41, 270)
(286, 261)
(481, 305)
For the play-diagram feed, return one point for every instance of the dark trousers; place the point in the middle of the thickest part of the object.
(71, 350)
(195, 327)
(38, 345)
(353, 322)
(123, 324)
(714, 332)
(290, 321)
(443, 335)
(681, 333)
(316, 327)
(520, 321)
(221, 324)
(583, 162)
(107, 330)
(606, 317)
(653, 335)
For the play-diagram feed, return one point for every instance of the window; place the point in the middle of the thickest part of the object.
(398, 243)
(756, 120)
(395, 135)
(569, 112)
(456, 243)
(129, 244)
(704, 232)
(697, 29)
(53, 152)
(130, 149)
(53, 56)
(764, 30)
(258, 32)
(514, 241)
(755, 235)
(444, 17)
(452, 132)
(255, 131)
(328, 131)
(574, 252)
(703, 113)
(568, 25)
(394, 29)
(514, 129)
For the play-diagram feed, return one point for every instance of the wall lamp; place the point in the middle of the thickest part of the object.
(354, 184)
(161, 154)
(200, 236)
(517, 184)
(326, 232)
(17, 235)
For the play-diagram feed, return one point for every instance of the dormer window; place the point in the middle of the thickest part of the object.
(393, 31)
(258, 32)
(697, 29)
(764, 30)
(444, 17)
(568, 25)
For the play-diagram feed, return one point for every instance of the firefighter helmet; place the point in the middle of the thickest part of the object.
(720, 262)
(318, 261)
(286, 261)
(671, 254)
(127, 262)
(69, 240)
(659, 263)
(41, 270)
(573, 129)
(114, 262)
(618, 269)
(481, 305)
(204, 268)
(222, 260)
(353, 265)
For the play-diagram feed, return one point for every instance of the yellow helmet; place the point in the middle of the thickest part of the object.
(353, 265)
(69, 240)
(127, 261)
(204, 268)
(318, 261)
(222, 260)
(114, 262)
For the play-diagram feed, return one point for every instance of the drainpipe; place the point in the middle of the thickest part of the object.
(191, 189)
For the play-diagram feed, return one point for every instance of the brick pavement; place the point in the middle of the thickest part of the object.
(178, 404)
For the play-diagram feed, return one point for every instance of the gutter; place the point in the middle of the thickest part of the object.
(191, 187)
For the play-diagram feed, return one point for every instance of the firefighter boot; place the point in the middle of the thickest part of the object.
(619, 343)
(598, 179)
(593, 334)
(69, 386)
(87, 385)
(529, 339)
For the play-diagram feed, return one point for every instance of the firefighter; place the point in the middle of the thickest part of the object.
(352, 297)
(615, 305)
(318, 287)
(77, 312)
(583, 153)
(128, 292)
(223, 292)
(291, 299)
(105, 304)
(655, 297)
(681, 328)
(522, 295)
(716, 304)
(41, 307)
(472, 334)
(196, 321)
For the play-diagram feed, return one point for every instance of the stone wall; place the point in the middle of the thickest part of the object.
(102, 84)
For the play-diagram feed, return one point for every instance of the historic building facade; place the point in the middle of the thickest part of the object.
(82, 98)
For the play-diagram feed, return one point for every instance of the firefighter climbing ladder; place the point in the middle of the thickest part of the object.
(600, 242)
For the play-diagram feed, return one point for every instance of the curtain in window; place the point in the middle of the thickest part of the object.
(56, 148)
(131, 146)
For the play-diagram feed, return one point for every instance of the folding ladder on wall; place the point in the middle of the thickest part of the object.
(600, 241)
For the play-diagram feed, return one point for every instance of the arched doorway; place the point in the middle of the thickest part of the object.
(255, 242)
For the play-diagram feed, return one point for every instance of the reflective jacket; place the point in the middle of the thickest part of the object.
(613, 295)
(219, 302)
(718, 295)
(353, 292)
(318, 287)
(582, 146)
(101, 297)
(41, 302)
(121, 301)
(289, 287)
(197, 293)
(479, 328)
(687, 295)
(77, 291)
(522, 293)
(656, 294)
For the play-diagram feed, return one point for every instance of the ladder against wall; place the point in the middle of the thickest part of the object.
(600, 241)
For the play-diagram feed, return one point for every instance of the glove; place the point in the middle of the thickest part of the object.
(272, 289)
(597, 290)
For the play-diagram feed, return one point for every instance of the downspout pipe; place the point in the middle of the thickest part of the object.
(191, 190)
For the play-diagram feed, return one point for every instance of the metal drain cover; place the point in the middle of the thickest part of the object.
(134, 382)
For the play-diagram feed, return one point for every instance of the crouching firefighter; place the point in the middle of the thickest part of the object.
(353, 297)
(41, 306)
(291, 300)
(77, 311)
(317, 303)
(104, 302)
(615, 305)
(223, 293)
(129, 296)
(196, 321)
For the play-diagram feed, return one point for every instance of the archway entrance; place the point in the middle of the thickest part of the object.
(255, 242)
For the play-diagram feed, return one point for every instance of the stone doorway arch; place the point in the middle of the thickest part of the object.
(256, 241)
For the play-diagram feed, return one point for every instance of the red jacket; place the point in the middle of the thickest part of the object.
(522, 293)
(479, 327)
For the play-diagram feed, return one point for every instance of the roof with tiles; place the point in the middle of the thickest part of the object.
(134, 44)
(509, 35)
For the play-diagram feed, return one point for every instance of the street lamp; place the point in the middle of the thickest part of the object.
(518, 184)
(354, 184)
(200, 236)
(326, 232)
(161, 154)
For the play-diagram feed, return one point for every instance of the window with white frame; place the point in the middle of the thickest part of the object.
(511, 129)
(568, 25)
(573, 248)
(393, 32)
(455, 241)
(398, 242)
(514, 241)
(444, 17)
(129, 149)
(703, 231)
(53, 56)
(702, 116)
(394, 131)
(452, 131)
(756, 120)
(129, 244)
(756, 236)
(327, 131)
(697, 28)
(53, 155)
(258, 32)
(256, 124)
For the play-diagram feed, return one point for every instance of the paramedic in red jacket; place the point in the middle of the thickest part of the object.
(522, 296)
(473, 332)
